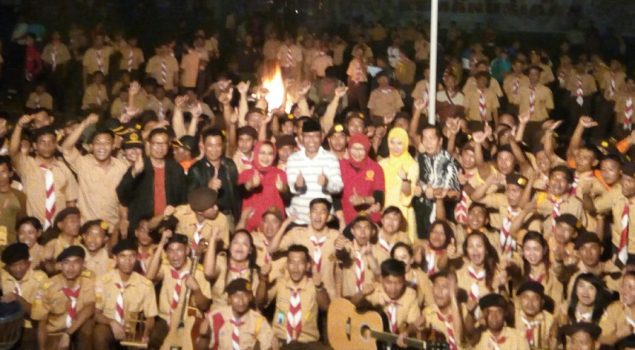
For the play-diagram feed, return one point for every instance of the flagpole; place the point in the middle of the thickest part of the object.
(432, 82)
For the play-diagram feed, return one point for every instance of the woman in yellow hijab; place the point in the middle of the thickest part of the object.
(401, 173)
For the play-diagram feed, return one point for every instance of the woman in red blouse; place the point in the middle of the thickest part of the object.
(363, 178)
(264, 184)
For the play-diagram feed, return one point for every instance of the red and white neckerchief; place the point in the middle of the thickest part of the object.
(384, 244)
(475, 290)
(289, 58)
(142, 257)
(178, 277)
(612, 86)
(385, 91)
(267, 257)
(294, 316)
(460, 210)
(532, 100)
(628, 114)
(98, 96)
(37, 101)
(507, 243)
(583, 316)
(236, 333)
(53, 57)
(579, 92)
(360, 271)
(496, 342)
(238, 272)
(161, 111)
(555, 211)
(164, 71)
(516, 86)
(17, 290)
(317, 252)
(197, 236)
(247, 161)
(130, 59)
(530, 329)
(449, 330)
(49, 203)
(391, 312)
(71, 311)
(538, 279)
(119, 304)
(622, 250)
(99, 56)
(574, 185)
(431, 259)
(482, 105)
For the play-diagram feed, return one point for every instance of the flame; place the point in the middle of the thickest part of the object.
(272, 81)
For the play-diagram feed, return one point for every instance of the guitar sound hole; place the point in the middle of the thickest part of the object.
(365, 332)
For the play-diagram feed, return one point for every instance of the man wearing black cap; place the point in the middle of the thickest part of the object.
(217, 172)
(561, 243)
(186, 151)
(312, 172)
(237, 325)
(531, 318)
(199, 217)
(68, 223)
(98, 173)
(20, 283)
(48, 183)
(152, 183)
(65, 304)
(132, 146)
(122, 297)
(620, 203)
(581, 336)
(509, 205)
(496, 334)
(176, 278)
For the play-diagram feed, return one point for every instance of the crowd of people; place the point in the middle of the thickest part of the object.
(185, 184)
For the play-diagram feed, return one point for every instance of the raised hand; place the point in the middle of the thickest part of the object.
(255, 180)
(341, 91)
(479, 137)
(243, 87)
(299, 181)
(322, 180)
(279, 184)
(419, 104)
(91, 119)
(524, 118)
(179, 102)
(587, 122)
(137, 166)
(25, 119)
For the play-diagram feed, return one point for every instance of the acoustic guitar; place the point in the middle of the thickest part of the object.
(184, 329)
(349, 329)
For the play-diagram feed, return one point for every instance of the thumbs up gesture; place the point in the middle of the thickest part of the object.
(356, 199)
(299, 182)
(322, 179)
(255, 180)
(279, 184)
(215, 183)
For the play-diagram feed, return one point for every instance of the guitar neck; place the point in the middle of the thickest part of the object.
(186, 295)
(391, 338)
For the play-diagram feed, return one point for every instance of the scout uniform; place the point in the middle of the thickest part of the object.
(242, 332)
(535, 100)
(190, 63)
(60, 305)
(290, 58)
(163, 69)
(512, 85)
(508, 338)
(54, 247)
(419, 281)
(197, 231)
(163, 108)
(623, 212)
(471, 86)
(446, 324)
(55, 54)
(95, 95)
(131, 58)
(122, 301)
(552, 207)
(400, 312)
(472, 282)
(356, 271)
(385, 102)
(278, 262)
(582, 327)
(581, 87)
(384, 244)
(296, 315)
(481, 104)
(611, 83)
(228, 274)
(97, 60)
(624, 107)
(546, 75)
(173, 288)
(97, 185)
(26, 287)
(99, 262)
(118, 108)
(47, 189)
(537, 329)
(36, 101)
(322, 249)
(420, 92)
